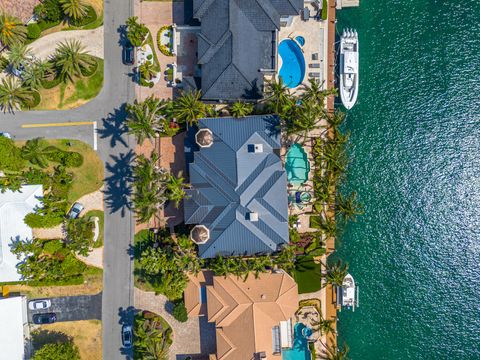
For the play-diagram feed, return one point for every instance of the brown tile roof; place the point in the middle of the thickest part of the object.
(244, 312)
(22, 9)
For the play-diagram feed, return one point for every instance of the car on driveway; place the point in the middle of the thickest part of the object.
(128, 54)
(75, 210)
(127, 336)
(45, 318)
(39, 304)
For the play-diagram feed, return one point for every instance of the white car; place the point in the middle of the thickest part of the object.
(127, 336)
(7, 135)
(39, 304)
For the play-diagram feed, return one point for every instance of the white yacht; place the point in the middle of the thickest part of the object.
(349, 67)
(349, 295)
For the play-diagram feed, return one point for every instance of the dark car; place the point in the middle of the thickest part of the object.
(128, 54)
(46, 318)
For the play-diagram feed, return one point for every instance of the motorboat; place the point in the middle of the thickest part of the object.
(349, 293)
(349, 67)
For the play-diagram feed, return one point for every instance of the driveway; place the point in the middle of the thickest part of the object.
(73, 308)
(91, 39)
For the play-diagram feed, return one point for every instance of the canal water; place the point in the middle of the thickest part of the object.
(415, 163)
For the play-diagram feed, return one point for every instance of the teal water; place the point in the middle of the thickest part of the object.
(415, 150)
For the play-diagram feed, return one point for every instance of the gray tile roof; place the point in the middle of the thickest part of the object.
(228, 182)
(236, 41)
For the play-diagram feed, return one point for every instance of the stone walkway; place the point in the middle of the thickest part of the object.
(187, 335)
(91, 39)
(94, 258)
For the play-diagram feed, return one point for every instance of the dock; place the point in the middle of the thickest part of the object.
(347, 3)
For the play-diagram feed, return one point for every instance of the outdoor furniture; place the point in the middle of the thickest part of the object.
(314, 75)
(306, 14)
(314, 65)
(315, 56)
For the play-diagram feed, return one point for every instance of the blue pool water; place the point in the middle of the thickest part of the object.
(292, 71)
(297, 165)
(300, 345)
(300, 40)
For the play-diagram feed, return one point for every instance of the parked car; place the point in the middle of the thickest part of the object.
(5, 134)
(127, 336)
(45, 318)
(39, 304)
(128, 54)
(75, 210)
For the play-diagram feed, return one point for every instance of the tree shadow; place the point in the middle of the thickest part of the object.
(114, 126)
(43, 337)
(117, 191)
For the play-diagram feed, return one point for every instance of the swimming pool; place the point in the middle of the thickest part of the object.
(299, 350)
(300, 40)
(292, 71)
(297, 165)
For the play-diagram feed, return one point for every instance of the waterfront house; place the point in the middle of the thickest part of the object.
(238, 194)
(253, 318)
(237, 45)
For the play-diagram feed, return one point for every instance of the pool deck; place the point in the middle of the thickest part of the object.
(315, 33)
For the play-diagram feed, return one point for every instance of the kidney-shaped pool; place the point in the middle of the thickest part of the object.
(292, 71)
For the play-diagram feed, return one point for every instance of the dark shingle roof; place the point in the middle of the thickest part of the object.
(236, 42)
(228, 182)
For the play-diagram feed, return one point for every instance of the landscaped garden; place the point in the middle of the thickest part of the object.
(152, 336)
(69, 78)
(67, 170)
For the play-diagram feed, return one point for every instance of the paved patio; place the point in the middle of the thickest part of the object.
(22, 9)
(195, 338)
(155, 14)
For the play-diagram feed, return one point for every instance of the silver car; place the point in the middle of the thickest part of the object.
(5, 134)
(39, 304)
(127, 336)
(75, 210)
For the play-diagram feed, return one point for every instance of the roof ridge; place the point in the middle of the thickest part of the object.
(213, 49)
(269, 10)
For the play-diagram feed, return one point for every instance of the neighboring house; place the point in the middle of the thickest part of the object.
(14, 327)
(238, 194)
(237, 44)
(21, 9)
(13, 208)
(252, 317)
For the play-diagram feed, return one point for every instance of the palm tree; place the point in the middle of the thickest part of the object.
(334, 353)
(136, 31)
(304, 118)
(12, 31)
(241, 109)
(147, 70)
(278, 96)
(74, 9)
(13, 95)
(143, 119)
(286, 259)
(348, 207)
(175, 190)
(324, 326)
(329, 227)
(35, 151)
(36, 73)
(259, 264)
(219, 266)
(17, 55)
(70, 58)
(188, 108)
(336, 272)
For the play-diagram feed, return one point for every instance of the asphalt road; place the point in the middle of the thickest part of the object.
(73, 308)
(114, 147)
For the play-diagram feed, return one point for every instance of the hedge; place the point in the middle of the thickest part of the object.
(324, 10)
(33, 31)
(180, 312)
(38, 221)
(66, 158)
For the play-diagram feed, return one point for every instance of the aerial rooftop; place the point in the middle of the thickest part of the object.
(238, 192)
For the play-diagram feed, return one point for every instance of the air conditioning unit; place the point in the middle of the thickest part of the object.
(255, 148)
(252, 216)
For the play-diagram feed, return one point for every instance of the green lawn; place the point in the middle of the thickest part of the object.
(70, 95)
(307, 275)
(100, 215)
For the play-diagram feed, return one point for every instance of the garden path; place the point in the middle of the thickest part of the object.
(186, 336)
(91, 39)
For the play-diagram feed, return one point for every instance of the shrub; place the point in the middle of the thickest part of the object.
(43, 221)
(57, 351)
(51, 11)
(164, 49)
(36, 176)
(52, 247)
(324, 10)
(33, 31)
(65, 158)
(180, 312)
(73, 159)
(10, 158)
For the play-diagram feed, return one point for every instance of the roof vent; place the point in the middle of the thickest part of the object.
(255, 148)
(252, 216)
(263, 296)
(204, 138)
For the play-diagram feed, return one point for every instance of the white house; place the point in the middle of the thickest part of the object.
(13, 317)
(13, 208)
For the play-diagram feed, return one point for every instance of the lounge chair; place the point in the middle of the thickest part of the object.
(314, 75)
(314, 65)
